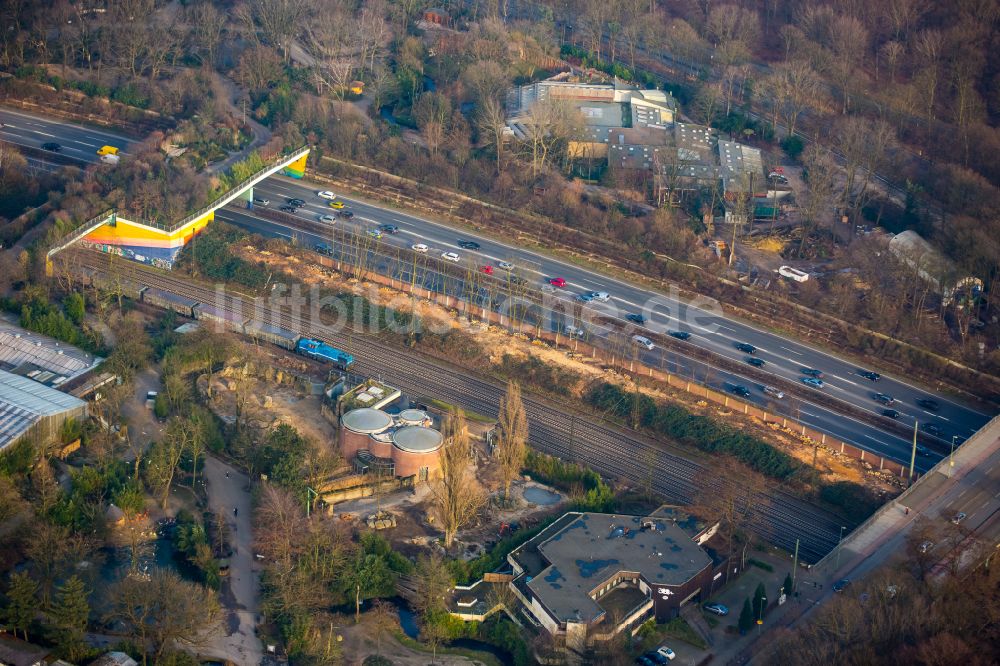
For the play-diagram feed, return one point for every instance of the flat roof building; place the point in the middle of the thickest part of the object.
(589, 576)
(29, 407)
(45, 360)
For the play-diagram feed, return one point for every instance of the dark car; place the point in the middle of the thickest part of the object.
(468, 245)
(868, 374)
(51, 146)
(756, 362)
(389, 228)
(288, 209)
(680, 335)
(636, 318)
(841, 585)
(656, 658)
(927, 403)
(716, 608)
(884, 398)
(746, 348)
(933, 429)
(346, 214)
(739, 389)
(645, 661)
(323, 248)
(891, 413)
(298, 203)
(812, 372)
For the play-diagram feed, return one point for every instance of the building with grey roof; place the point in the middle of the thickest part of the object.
(43, 359)
(27, 407)
(589, 576)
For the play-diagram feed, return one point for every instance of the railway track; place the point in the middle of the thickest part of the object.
(556, 429)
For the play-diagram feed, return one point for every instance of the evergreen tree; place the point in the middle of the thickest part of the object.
(759, 599)
(23, 602)
(746, 617)
(787, 587)
(69, 617)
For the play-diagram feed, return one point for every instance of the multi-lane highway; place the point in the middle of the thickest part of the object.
(709, 328)
(75, 142)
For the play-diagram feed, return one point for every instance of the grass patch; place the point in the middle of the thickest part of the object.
(476, 655)
(448, 407)
(679, 628)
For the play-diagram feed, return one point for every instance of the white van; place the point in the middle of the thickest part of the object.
(793, 274)
(773, 392)
(643, 341)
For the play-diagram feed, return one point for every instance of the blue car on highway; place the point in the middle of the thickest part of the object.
(812, 381)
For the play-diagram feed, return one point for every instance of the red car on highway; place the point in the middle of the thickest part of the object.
(486, 269)
(557, 282)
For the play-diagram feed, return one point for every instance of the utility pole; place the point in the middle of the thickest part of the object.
(795, 565)
(951, 458)
(839, 542)
(913, 452)
(308, 503)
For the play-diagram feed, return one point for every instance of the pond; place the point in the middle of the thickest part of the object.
(541, 496)
(408, 622)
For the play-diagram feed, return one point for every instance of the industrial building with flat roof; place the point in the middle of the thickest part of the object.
(27, 407)
(589, 576)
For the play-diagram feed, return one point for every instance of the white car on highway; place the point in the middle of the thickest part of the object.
(450, 256)
(643, 341)
(505, 265)
(326, 194)
(327, 218)
(419, 247)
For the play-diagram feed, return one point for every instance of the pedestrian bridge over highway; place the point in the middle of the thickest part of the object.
(158, 243)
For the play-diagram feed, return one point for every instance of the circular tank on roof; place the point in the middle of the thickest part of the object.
(412, 417)
(366, 420)
(417, 439)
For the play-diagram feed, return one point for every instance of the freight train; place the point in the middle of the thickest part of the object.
(187, 307)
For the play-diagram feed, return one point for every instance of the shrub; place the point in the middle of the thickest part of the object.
(793, 146)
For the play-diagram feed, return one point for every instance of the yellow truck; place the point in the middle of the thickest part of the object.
(107, 150)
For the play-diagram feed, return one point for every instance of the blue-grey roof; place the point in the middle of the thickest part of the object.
(596, 546)
(44, 359)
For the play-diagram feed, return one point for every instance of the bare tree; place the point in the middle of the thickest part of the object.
(802, 86)
(512, 437)
(277, 21)
(492, 122)
(733, 495)
(456, 492)
(823, 174)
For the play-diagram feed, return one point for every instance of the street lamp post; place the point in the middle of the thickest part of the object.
(760, 614)
(913, 453)
(951, 458)
(839, 542)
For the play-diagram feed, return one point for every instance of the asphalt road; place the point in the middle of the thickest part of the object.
(708, 327)
(76, 141)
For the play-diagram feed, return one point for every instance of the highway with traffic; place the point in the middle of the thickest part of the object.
(711, 330)
(75, 142)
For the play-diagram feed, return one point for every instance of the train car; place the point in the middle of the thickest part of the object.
(273, 334)
(323, 352)
(169, 301)
(127, 288)
(223, 319)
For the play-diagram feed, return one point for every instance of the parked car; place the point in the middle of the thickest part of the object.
(261, 201)
(774, 393)
(298, 203)
(419, 247)
(746, 348)
(959, 517)
(841, 585)
(928, 403)
(680, 335)
(925, 546)
(716, 608)
(643, 660)
(812, 381)
(450, 256)
(755, 362)
(330, 219)
(643, 341)
(891, 413)
(812, 372)
(51, 146)
(505, 265)
(666, 652)
(656, 658)
(389, 229)
(740, 390)
(326, 194)
(868, 374)
(884, 398)
(468, 245)
(636, 318)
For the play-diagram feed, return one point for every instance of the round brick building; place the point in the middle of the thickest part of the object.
(415, 451)
(356, 428)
